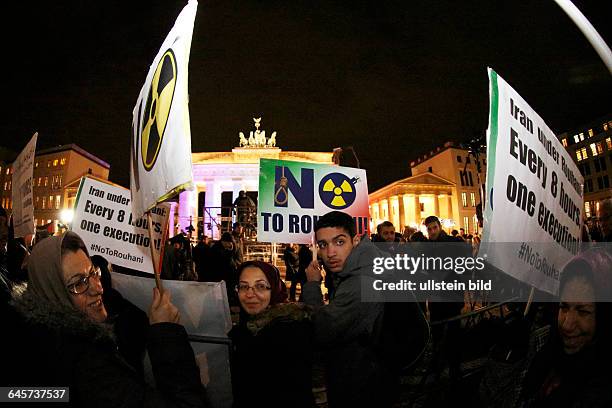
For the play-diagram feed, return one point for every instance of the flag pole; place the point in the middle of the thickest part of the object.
(529, 301)
(156, 271)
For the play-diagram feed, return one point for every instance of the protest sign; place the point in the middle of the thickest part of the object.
(205, 314)
(161, 135)
(103, 218)
(292, 195)
(534, 192)
(22, 195)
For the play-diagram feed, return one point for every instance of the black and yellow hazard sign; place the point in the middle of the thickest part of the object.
(157, 108)
(337, 191)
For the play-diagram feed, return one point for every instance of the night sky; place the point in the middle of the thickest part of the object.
(391, 78)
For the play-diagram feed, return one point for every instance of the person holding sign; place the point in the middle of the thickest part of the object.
(272, 342)
(573, 369)
(63, 310)
(347, 328)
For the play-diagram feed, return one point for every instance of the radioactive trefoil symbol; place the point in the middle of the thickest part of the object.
(157, 109)
(337, 191)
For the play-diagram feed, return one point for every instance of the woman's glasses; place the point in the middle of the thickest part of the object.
(259, 287)
(81, 285)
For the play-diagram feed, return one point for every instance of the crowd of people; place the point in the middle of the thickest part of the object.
(65, 325)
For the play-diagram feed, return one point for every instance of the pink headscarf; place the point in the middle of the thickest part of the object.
(279, 290)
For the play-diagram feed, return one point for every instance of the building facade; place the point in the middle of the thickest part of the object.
(220, 176)
(590, 146)
(54, 169)
(446, 183)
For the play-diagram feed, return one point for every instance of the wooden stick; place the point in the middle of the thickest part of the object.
(529, 301)
(156, 271)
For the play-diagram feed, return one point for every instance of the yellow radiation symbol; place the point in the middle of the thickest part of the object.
(337, 191)
(157, 109)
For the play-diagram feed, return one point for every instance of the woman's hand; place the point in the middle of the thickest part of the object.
(162, 310)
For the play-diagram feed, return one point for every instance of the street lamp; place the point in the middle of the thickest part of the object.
(66, 216)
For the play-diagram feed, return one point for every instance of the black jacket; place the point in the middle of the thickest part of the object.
(58, 346)
(130, 327)
(347, 329)
(584, 379)
(272, 368)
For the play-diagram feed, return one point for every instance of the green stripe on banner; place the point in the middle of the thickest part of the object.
(78, 196)
(491, 146)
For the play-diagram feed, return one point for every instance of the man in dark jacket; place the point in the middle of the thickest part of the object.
(245, 207)
(347, 328)
(446, 342)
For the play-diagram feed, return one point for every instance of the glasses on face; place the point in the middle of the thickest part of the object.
(81, 285)
(259, 287)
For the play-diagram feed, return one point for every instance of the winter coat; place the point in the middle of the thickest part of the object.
(347, 329)
(130, 326)
(72, 351)
(273, 349)
(201, 256)
(223, 265)
(584, 379)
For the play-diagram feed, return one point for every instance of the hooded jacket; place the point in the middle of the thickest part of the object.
(58, 345)
(62, 347)
(347, 329)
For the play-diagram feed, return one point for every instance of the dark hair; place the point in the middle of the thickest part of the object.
(3, 212)
(227, 237)
(430, 219)
(383, 224)
(72, 243)
(337, 219)
(595, 267)
(418, 237)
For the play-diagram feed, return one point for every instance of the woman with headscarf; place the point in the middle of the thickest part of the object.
(62, 309)
(271, 343)
(573, 369)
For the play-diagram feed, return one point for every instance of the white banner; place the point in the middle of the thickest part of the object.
(23, 197)
(534, 193)
(103, 218)
(292, 195)
(161, 135)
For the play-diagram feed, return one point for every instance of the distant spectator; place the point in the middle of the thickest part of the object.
(245, 208)
(201, 255)
(386, 231)
(604, 220)
(223, 265)
(408, 231)
(418, 237)
(178, 262)
(292, 266)
(305, 257)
